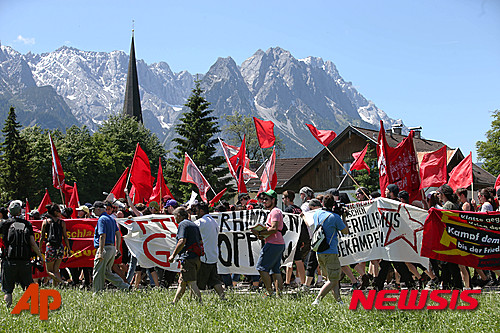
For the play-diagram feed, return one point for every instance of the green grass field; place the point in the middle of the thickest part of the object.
(151, 311)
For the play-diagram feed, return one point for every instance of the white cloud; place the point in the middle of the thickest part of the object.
(27, 41)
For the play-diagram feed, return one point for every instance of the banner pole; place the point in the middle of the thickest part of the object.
(350, 176)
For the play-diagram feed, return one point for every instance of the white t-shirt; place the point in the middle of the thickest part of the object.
(209, 230)
(486, 207)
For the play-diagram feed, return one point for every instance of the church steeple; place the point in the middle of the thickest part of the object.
(132, 105)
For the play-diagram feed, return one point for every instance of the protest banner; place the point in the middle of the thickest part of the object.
(465, 238)
(81, 239)
(151, 239)
(381, 229)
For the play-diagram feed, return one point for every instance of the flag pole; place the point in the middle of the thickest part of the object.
(350, 176)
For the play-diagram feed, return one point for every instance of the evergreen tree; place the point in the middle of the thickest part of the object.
(370, 181)
(196, 136)
(15, 170)
(489, 150)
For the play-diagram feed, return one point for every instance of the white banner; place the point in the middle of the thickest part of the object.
(151, 239)
(381, 229)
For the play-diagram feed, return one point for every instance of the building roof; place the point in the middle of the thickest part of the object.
(285, 169)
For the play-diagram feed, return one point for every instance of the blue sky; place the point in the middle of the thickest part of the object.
(434, 64)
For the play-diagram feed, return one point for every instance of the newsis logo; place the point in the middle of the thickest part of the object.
(414, 300)
(37, 301)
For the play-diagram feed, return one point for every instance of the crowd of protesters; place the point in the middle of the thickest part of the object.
(197, 247)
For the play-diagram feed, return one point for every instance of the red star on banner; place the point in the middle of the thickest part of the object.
(402, 232)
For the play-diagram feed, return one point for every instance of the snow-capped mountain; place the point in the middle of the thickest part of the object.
(83, 87)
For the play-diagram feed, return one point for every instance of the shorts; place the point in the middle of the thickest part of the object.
(270, 258)
(330, 265)
(207, 276)
(189, 269)
(15, 271)
(53, 253)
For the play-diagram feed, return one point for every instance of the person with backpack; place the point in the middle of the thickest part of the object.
(52, 235)
(18, 244)
(328, 257)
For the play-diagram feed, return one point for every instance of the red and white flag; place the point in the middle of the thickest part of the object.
(497, 183)
(191, 174)
(57, 170)
(323, 136)
(433, 168)
(461, 175)
(140, 175)
(359, 163)
(269, 174)
(265, 132)
(229, 153)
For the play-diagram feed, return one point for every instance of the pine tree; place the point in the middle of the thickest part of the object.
(15, 172)
(196, 136)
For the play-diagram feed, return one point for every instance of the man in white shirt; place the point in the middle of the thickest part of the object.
(209, 229)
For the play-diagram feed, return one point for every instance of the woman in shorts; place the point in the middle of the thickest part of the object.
(53, 234)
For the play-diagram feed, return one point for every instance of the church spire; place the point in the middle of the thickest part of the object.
(132, 104)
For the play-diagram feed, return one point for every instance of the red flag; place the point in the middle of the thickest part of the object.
(267, 176)
(57, 171)
(398, 165)
(160, 190)
(229, 153)
(191, 174)
(433, 168)
(27, 210)
(497, 183)
(67, 190)
(45, 201)
(323, 136)
(461, 175)
(140, 175)
(359, 163)
(74, 202)
(265, 132)
(239, 165)
(217, 197)
(118, 189)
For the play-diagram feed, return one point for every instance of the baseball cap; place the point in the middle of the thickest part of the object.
(272, 194)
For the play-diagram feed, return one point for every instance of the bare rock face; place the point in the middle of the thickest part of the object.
(70, 86)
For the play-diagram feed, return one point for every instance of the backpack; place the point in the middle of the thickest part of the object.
(318, 241)
(55, 234)
(18, 241)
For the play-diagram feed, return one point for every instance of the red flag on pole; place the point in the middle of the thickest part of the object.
(191, 174)
(323, 136)
(359, 163)
(27, 210)
(229, 153)
(265, 132)
(398, 165)
(239, 161)
(140, 175)
(461, 175)
(74, 202)
(217, 197)
(269, 173)
(45, 201)
(118, 189)
(57, 171)
(497, 183)
(433, 168)
(160, 190)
